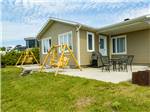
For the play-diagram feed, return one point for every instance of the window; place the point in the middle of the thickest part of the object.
(65, 38)
(46, 44)
(119, 44)
(90, 42)
(102, 43)
(31, 43)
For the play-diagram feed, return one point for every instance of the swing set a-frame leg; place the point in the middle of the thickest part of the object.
(19, 59)
(34, 57)
(23, 60)
(45, 60)
(63, 50)
(72, 55)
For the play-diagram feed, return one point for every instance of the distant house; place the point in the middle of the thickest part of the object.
(130, 37)
(15, 48)
(31, 42)
(19, 48)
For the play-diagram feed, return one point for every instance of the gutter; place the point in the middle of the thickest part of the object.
(122, 24)
(78, 43)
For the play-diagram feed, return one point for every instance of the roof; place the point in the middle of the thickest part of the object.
(72, 23)
(139, 23)
(130, 25)
(29, 38)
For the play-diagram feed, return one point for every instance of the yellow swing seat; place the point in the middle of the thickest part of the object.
(29, 60)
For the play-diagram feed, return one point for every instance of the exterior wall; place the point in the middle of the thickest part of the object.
(138, 44)
(53, 31)
(85, 56)
(149, 46)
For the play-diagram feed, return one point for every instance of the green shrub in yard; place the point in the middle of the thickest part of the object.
(12, 57)
(2, 48)
(2, 61)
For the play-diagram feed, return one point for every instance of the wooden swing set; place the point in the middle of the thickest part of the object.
(59, 60)
(27, 57)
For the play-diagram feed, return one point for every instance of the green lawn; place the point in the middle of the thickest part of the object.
(43, 92)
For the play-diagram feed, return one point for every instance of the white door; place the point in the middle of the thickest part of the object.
(103, 45)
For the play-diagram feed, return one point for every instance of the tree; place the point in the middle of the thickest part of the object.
(2, 48)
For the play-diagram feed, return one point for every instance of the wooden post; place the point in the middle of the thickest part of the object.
(74, 58)
(62, 55)
(19, 59)
(24, 60)
(45, 60)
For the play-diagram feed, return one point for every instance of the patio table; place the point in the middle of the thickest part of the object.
(114, 62)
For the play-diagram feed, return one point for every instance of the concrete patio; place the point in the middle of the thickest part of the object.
(93, 73)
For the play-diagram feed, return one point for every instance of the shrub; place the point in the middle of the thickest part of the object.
(10, 58)
(3, 63)
(2, 49)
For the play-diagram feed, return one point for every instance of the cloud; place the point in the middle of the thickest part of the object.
(29, 10)
(117, 1)
(62, 1)
(27, 16)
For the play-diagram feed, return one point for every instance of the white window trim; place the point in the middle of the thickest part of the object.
(67, 40)
(43, 44)
(93, 42)
(120, 36)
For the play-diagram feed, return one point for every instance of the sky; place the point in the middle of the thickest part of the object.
(24, 18)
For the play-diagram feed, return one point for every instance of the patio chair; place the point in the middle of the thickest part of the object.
(122, 62)
(105, 62)
(127, 61)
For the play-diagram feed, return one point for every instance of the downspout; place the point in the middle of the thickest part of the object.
(78, 43)
(110, 46)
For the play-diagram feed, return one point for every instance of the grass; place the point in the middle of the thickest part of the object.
(43, 92)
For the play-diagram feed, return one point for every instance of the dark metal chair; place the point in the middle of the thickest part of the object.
(105, 61)
(127, 61)
(130, 60)
(122, 62)
(116, 63)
